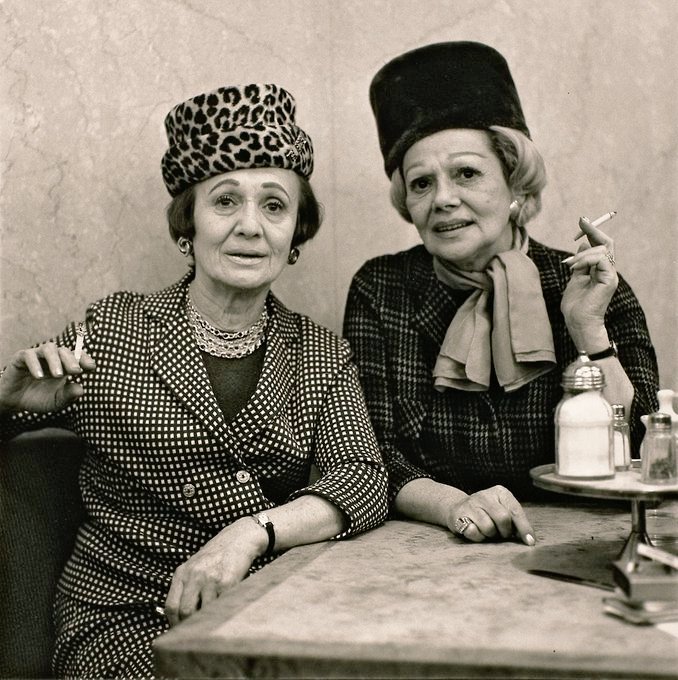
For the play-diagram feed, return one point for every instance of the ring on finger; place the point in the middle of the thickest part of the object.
(610, 257)
(461, 524)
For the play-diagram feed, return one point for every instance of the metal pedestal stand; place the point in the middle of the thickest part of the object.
(625, 485)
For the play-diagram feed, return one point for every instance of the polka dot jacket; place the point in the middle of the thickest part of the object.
(163, 472)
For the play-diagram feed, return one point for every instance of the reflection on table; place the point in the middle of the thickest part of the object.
(411, 600)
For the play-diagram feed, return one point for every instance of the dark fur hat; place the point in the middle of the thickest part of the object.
(440, 86)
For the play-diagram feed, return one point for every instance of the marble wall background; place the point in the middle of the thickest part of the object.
(85, 85)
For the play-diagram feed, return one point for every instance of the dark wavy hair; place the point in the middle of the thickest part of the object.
(309, 214)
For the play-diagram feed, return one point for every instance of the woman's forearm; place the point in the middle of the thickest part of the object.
(428, 501)
(306, 519)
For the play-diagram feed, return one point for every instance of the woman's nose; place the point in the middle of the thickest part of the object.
(446, 194)
(248, 220)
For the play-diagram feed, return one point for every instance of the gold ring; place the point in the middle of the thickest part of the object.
(462, 524)
(610, 257)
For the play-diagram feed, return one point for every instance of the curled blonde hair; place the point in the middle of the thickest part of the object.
(523, 168)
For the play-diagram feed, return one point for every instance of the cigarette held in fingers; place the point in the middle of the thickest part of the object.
(597, 222)
(79, 341)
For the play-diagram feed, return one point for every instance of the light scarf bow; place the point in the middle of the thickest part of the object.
(503, 323)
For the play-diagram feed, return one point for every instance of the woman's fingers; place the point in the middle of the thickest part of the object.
(28, 360)
(49, 353)
(598, 258)
(595, 236)
(597, 251)
(491, 513)
(522, 524)
(174, 597)
(48, 360)
(70, 392)
(208, 594)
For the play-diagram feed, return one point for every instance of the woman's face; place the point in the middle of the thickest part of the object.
(244, 224)
(458, 198)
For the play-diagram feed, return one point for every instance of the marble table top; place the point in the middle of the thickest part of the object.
(413, 600)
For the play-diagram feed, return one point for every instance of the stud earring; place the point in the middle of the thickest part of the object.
(185, 246)
(514, 210)
(293, 256)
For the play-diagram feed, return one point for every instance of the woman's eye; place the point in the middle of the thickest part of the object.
(225, 201)
(468, 173)
(275, 206)
(420, 184)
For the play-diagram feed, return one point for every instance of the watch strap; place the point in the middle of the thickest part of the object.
(263, 521)
(611, 351)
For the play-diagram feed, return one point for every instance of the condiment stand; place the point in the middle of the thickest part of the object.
(625, 485)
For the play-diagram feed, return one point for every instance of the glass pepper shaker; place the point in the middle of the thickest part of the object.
(621, 437)
(657, 452)
(583, 420)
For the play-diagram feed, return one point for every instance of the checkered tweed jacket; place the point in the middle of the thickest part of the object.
(163, 472)
(396, 317)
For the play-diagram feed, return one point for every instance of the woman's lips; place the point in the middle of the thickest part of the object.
(246, 257)
(444, 227)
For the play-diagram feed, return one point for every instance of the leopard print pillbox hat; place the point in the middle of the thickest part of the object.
(231, 128)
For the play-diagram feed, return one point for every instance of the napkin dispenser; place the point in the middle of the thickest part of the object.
(646, 579)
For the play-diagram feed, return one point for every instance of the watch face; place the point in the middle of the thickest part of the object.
(263, 518)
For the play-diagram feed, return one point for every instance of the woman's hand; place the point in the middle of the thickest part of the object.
(590, 289)
(37, 379)
(493, 513)
(219, 565)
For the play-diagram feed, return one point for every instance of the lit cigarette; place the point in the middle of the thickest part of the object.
(597, 222)
(79, 341)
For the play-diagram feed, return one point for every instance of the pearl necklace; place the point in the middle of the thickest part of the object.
(226, 344)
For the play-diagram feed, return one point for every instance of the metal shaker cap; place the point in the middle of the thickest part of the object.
(618, 411)
(583, 374)
(659, 420)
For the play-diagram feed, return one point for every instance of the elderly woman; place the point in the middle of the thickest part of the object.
(461, 342)
(202, 406)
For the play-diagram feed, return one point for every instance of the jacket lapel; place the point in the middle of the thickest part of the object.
(275, 385)
(428, 304)
(176, 359)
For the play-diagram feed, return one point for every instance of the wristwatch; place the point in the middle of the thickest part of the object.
(262, 519)
(611, 351)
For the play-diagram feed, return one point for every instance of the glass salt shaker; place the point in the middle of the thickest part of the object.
(583, 420)
(657, 452)
(621, 437)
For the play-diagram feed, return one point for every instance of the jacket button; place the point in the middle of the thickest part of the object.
(188, 490)
(242, 476)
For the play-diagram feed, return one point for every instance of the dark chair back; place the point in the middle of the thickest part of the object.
(40, 510)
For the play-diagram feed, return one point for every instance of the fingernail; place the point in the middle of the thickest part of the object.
(567, 260)
(529, 539)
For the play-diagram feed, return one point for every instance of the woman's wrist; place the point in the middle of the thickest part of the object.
(254, 536)
(429, 501)
(590, 340)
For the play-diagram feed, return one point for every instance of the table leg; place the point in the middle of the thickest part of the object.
(629, 553)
